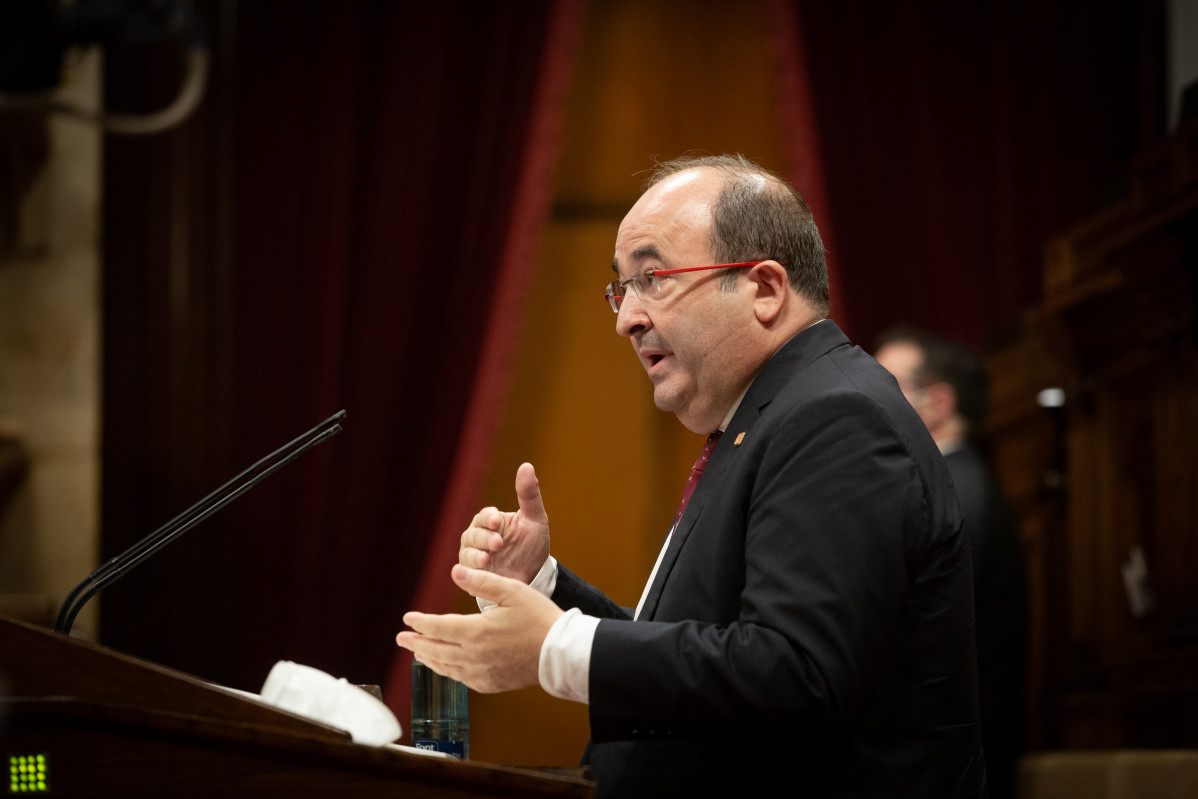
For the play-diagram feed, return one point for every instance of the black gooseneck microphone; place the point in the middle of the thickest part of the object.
(118, 566)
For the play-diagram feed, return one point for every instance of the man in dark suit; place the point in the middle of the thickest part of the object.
(810, 616)
(948, 386)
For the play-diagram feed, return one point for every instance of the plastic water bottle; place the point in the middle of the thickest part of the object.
(440, 718)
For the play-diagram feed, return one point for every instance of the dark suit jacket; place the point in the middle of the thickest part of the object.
(1000, 606)
(812, 620)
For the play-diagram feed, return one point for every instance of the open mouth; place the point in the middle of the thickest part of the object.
(653, 363)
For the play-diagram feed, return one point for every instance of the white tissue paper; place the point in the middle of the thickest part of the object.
(310, 692)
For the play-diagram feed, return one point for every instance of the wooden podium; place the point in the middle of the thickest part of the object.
(98, 722)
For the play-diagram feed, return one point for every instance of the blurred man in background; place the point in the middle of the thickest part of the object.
(949, 388)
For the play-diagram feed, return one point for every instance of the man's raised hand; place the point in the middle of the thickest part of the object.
(511, 544)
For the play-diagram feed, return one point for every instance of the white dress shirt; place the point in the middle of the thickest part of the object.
(565, 665)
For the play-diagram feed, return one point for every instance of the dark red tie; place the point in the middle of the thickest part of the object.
(697, 471)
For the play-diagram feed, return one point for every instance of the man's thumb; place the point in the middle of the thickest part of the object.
(481, 584)
(528, 493)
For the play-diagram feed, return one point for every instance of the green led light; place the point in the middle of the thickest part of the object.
(28, 774)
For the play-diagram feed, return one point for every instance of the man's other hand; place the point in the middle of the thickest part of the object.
(497, 650)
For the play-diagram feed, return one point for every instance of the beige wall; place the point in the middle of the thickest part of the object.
(49, 365)
(653, 79)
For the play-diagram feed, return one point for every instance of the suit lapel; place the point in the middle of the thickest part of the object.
(779, 370)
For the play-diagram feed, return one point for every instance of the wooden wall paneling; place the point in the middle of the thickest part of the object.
(1120, 300)
(1028, 450)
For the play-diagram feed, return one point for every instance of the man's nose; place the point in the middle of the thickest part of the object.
(631, 317)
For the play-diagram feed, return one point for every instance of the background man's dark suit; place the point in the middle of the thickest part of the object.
(812, 619)
(1001, 607)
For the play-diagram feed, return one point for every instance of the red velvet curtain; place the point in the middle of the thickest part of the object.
(394, 170)
(943, 144)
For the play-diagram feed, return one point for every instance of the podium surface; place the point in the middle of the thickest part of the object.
(98, 722)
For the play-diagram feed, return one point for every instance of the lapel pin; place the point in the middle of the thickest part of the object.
(739, 438)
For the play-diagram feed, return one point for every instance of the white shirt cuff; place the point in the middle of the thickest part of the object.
(546, 579)
(545, 582)
(565, 665)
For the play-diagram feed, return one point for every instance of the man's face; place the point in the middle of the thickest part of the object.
(903, 359)
(691, 337)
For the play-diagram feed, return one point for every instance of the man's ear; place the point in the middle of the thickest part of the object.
(771, 290)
